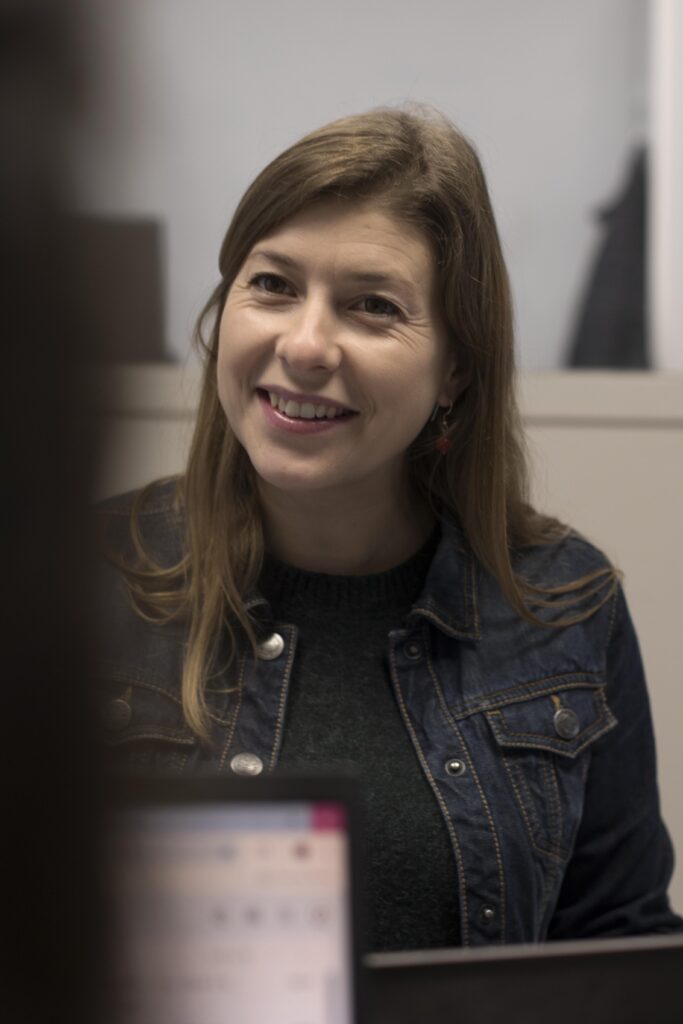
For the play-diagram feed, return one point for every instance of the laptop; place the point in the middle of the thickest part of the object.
(601, 981)
(234, 900)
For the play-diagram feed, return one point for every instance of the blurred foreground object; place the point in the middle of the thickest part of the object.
(118, 263)
(48, 778)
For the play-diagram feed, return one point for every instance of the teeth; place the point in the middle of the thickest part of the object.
(304, 410)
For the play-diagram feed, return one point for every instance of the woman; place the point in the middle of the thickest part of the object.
(349, 573)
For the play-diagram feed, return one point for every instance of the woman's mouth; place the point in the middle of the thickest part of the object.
(302, 416)
(305, 410)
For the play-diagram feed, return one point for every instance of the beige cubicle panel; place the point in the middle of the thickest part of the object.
(607, 455)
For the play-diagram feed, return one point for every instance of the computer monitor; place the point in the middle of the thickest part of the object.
(233, 900)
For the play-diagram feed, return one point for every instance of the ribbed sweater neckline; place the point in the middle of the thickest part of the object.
(284, 585)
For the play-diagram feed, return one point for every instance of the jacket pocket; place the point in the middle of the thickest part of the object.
(143, 726)
(545, 742)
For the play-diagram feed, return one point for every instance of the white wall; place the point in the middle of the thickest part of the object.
(192, 97)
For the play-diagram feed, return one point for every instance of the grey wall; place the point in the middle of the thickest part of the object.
(194, 96)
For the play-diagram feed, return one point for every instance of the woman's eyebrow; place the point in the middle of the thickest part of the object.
(275, 257)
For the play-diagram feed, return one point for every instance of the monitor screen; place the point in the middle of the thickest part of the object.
(233, 912)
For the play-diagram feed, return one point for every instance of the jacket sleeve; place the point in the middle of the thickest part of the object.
(617, 877)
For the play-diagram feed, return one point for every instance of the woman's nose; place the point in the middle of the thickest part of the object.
(310, 341)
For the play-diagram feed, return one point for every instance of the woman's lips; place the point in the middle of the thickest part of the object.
(304, 406)
(302, 417)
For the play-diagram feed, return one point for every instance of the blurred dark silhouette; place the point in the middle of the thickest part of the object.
(611, 329)
(50, 866)
(118, 263)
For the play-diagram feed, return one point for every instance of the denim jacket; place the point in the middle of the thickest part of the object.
(536, 741)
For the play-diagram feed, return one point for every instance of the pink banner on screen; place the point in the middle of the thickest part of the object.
(329, 817)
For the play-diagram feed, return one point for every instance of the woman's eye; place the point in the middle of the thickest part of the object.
(376, 306)
(271, 283)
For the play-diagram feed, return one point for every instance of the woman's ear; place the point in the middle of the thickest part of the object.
(456, 382)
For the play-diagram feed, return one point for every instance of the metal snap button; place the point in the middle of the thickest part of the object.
(487, 914)
(566, 723)
(413, 650)
(456, 767)
(271, 648)
(246, 764)
(116, 715)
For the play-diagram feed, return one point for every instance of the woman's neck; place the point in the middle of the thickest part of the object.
(352, 534)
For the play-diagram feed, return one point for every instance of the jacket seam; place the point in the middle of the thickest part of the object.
(284, 689)
(526, 691)
(147, 734)
(530, 830)
(534, 743)
(238, 705)
(487, 810)
(455, 842)
(470, 578)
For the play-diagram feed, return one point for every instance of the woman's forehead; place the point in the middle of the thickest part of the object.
(346, 233)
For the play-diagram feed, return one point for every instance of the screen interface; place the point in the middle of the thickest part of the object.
(231, 913)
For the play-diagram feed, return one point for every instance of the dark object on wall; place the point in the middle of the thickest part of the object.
(119, 265)
(611, 328)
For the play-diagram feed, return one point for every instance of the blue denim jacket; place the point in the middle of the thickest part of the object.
(537, 742)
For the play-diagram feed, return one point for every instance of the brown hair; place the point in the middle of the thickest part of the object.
(416, 165)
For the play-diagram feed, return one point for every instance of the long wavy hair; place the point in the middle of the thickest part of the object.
(417, 166)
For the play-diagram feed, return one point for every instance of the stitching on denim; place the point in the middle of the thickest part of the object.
(612, 618)
(473, 593)
(555, 834)
(507, 731)
(462, 886)
(524, 797)
(131, 737)
(527, 691)
(238, 706)
(534, 832)
(470, 628)
(532, 741)
(144, 685)
(428, 612)
(607, 712)
(542, 844)
(180, 764)
(284, 689)
(482, 796)
(608, 640)
(110, 675)
(545, 852)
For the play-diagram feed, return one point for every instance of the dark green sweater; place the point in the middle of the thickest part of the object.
(342, 713)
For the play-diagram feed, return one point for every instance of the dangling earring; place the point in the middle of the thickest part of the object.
(443, 443)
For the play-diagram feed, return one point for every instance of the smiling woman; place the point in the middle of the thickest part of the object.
(314, 373)
(349, 573)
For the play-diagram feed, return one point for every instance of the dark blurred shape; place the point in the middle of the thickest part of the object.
(611, 327)
(48, 839)
(118, 264)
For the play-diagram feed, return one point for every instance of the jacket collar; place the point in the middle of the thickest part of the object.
(449, 597)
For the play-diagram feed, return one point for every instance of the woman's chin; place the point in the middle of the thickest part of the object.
(291, 479)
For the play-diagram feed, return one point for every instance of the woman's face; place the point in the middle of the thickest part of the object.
(331, 354)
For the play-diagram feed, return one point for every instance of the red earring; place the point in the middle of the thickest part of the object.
(443, 443)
